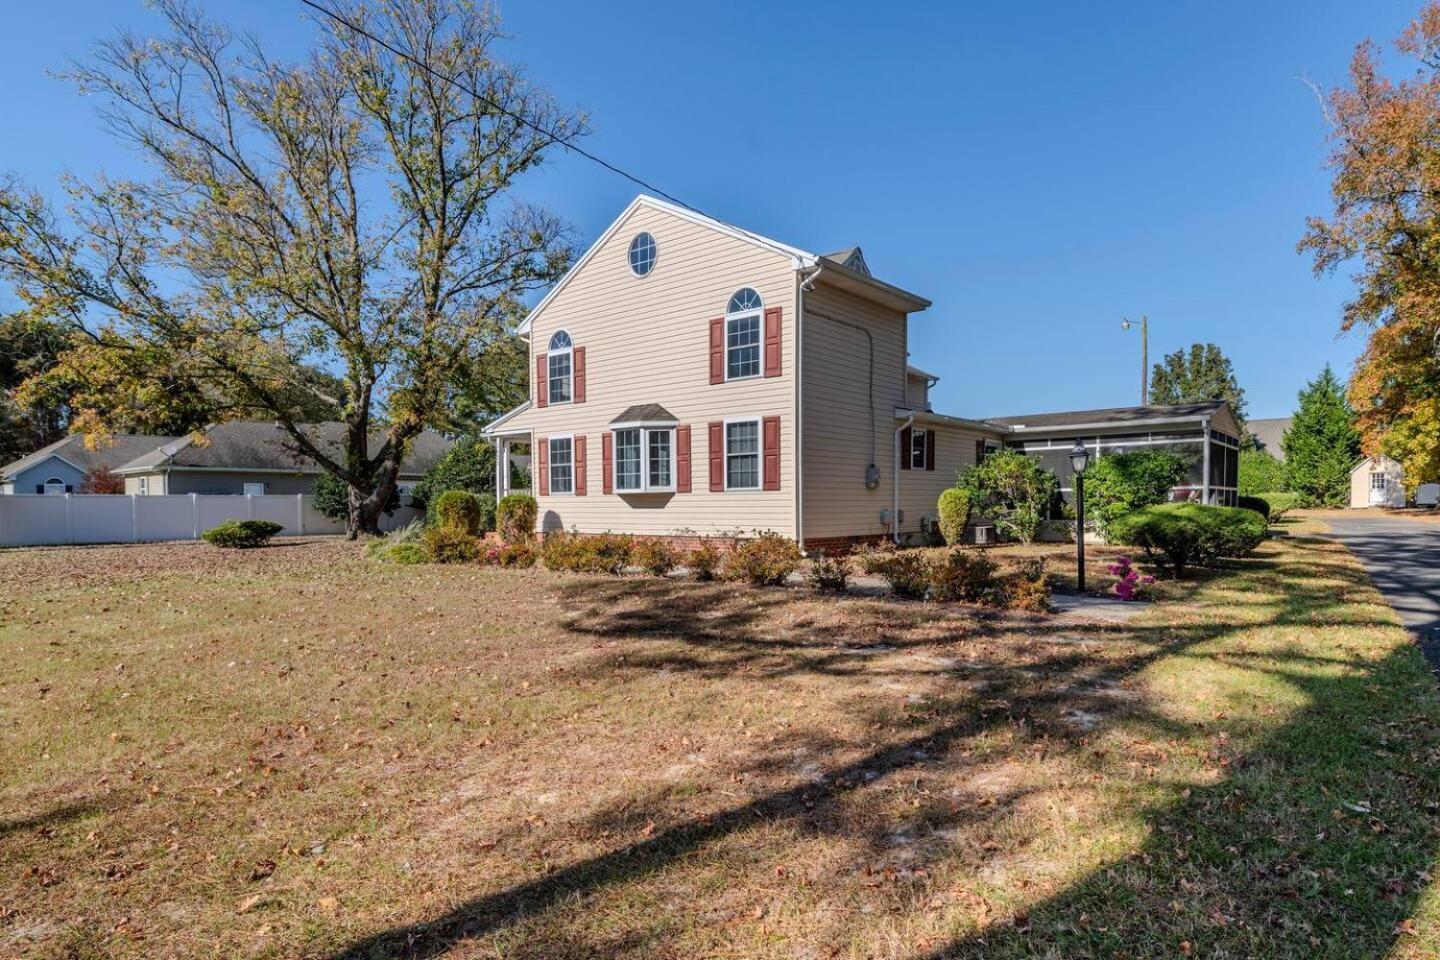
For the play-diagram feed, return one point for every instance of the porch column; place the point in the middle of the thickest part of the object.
(1205, 478)
(502, 465)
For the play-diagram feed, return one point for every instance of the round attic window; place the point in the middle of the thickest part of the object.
(642, 254)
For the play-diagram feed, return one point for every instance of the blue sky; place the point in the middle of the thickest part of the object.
(1038, 171)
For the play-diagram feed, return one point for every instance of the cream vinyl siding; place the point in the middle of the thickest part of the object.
(920, 489)
(646, 340)
(917, 393)
(839, 417)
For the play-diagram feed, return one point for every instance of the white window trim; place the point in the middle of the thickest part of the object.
(142, 486)
(654, 254)
(759, 453)
(759, 314)
(56, 481)
(245, 488)
(550, 464)
(646, 428)
(920, 434)
(562, 352)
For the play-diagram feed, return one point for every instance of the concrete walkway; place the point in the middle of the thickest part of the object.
(1403, 558)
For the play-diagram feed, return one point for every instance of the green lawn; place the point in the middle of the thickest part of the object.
(292, 752)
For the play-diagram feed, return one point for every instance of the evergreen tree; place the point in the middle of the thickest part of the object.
(1322, 443)
(1193, 376)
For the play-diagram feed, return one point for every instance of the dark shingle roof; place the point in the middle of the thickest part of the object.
(1269, 433)
(120, 449)
(646, 413)
(1118, 415)
(255, 445)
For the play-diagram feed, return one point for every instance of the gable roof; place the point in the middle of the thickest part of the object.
(800, 259)
(852, 257)
(122, 448)
(1111, 415)
(259, 445)
(1269, 434)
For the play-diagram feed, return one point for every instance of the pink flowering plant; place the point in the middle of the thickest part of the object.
(1129, 582)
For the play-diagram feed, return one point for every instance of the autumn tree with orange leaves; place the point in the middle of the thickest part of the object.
(1386, 164)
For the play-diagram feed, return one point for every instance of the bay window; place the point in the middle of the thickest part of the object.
(644, 459)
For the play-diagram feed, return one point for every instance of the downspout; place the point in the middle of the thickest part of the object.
(800, 288)
(895, 511)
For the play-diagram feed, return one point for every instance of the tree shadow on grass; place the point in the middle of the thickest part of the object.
(1315, 843)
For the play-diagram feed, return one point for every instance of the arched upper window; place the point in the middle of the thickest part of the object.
(642, 254)
(742, 334)
(54, 486)
(562, 368)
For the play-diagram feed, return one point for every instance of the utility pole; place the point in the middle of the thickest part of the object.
(1144, 356)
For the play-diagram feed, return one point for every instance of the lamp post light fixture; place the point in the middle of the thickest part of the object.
(1125, 324)
(1079, 460)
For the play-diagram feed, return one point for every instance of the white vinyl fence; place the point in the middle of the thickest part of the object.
(31, 519)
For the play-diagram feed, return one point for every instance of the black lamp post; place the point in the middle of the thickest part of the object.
(1079, 460)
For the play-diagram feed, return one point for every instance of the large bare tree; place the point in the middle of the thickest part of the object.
(347, 213)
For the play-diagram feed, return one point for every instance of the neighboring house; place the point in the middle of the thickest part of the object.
(1270, 435)
(690, 378)
(1377, 482)
(61, 467)
(249, 457)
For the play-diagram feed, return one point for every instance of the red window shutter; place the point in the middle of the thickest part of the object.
(717, 457)
(542, 465)
(772, 342)
(542, 381)
(578, 356)
(770, 452)
(682, 459)
(717, 350)
(607, 462)
(979, 450)
(929, 449)
(905, 449)
(579, 455)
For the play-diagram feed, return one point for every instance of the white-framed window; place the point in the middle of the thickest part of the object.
(644, 459)
(142, 486)
(1377, 481)
(742, 334)
(560, 359)
(254, 489)
(742, 454)
(642, 254)
(562, 465)
(54, 487)
(918, 440)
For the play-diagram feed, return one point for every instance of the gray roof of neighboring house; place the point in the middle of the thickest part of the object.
(261, 445)
(645, 413)
(851, 257)
(1269, 433)
(121, 448)
(1115, 415)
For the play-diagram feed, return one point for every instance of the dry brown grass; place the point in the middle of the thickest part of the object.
(292, 752)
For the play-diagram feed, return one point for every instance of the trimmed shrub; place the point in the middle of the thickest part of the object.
(1119, 483)
(406, 554)
(655, 557)
(1177, 535)
(1026, 587)
(468, 465)
(386, 547)
(967, 576)
(446, 545)
(242, 534)
(830, 571)
(1257, 504)
(703, 561)
(519, 554)
(954, 509)
(906, 571)
(1013, 490)
(460, 510)
(1281, 504)
(766, 560)
(578, 553)
(515, 518)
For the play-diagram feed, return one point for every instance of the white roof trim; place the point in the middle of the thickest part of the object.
(800, 258)
(489, 430)
(53, 456)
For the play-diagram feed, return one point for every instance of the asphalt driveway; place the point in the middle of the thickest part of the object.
(1403, 558)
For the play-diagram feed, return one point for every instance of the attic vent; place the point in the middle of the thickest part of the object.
(856, 262)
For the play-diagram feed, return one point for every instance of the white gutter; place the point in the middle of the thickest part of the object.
(800, 403)
(895, 513)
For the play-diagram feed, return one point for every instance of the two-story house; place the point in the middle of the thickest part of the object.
(691, 378)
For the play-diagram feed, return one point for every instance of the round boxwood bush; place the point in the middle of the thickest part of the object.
(515, 517)
(460, 510)
(242, 534)
(1258, 504)
(954, 510)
